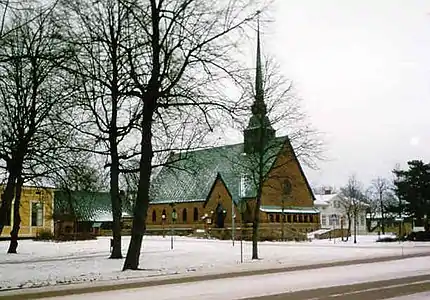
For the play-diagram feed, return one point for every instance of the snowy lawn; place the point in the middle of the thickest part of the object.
(49, 263)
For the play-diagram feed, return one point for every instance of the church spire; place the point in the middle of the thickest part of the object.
(259, 93)
(259, 130)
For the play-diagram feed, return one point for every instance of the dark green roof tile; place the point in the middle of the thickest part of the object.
(189, 176)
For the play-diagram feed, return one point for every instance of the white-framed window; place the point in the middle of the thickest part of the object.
(245, 184)
(336, 204)
(36, 213)
(323, 220)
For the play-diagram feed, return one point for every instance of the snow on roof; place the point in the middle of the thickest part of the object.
(324, 199)
(105, 216)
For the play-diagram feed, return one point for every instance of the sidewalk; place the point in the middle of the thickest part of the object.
(74, 289)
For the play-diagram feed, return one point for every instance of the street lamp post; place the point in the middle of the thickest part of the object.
(287, 192)
(163, 222)
(233, 216)
(174, 216)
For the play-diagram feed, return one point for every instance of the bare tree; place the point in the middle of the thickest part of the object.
(353, 202)
(183, 48)
(32, 90)
(274, 105)
(380, 193)
(101, 31)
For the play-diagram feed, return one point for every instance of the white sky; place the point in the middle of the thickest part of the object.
(362, 68)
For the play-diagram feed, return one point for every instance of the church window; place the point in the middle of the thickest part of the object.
(196, 214)
(184, 215)
(245, 185)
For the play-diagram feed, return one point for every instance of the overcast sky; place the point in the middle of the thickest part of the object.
(362, 68)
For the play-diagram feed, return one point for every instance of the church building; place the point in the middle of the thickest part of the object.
(211, 187)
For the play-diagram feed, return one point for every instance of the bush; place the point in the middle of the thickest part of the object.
(80, 236)
(44, 235)
(387, 239)
(419, 236)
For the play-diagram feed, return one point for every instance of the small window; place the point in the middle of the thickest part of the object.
(271, 218)
(36, 214)
(196, 214)
(245, 184)
(324, 220)
(184, 215)
(154, 216)
(163, 215)
(362, 220)
(277, 219)
(295, 219)
(289, 218)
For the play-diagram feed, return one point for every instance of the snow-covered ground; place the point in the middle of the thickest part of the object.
(49, 263)
(265, 285)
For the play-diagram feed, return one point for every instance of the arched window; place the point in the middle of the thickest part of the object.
(196, 214)
(184, 215)
(154, 216)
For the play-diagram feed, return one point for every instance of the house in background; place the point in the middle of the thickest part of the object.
(36, 211)
(83, 212)
(334, 207)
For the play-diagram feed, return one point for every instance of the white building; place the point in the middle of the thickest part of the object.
(333, 208)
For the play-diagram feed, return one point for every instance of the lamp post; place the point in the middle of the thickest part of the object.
(233, 216)
(163, 222)
(287, 191)
(174, 216)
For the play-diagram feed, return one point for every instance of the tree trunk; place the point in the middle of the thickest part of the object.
(13, 246)
(142, 200)
(113, 144)
(256, 224)
(6, 199)
(116, 205)
(349, 228)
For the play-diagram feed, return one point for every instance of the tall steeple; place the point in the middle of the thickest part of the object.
(259, 93)
(259, 130)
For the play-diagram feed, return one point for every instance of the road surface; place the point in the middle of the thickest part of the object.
(381, 280)
(375, 280)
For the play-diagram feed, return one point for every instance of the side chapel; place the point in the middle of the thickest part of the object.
(209, 187)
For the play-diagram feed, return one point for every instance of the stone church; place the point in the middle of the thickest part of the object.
(211, 187)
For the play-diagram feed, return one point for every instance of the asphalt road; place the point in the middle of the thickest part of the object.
(375, 290)
(359, 279)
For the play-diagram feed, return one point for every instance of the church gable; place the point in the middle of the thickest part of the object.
(287, 176)
(219, 201)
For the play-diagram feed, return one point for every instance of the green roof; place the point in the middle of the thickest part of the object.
(189, 177)
(86, 205)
